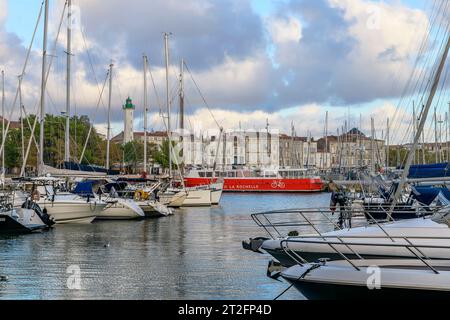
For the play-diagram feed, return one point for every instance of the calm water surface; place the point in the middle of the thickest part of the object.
(194, 254)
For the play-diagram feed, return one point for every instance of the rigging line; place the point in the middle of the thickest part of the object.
(401, 119)
(23, 70)
(29, 126)
(201, 95)
(91, 63)
(423, 90)
(413, 72)
(416, 71)
(438, 32)
(95, 114)
(445, 31)
(158, 100)
(419, 49)
(436, 75)
(45, 80)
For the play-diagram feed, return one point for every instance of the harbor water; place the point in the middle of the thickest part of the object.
(194, 254)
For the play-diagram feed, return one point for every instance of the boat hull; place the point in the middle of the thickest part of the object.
(396, 278)
(215, 196)
(69, 212)
(198, 198)
(153, 210)
(173, 200)
(322, 291)
(121, 210)
(261, 184)
(28, 223)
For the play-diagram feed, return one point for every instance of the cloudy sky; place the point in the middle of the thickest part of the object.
(281, 60)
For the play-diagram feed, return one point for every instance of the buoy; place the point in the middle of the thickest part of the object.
(106, 245)
(3, 278)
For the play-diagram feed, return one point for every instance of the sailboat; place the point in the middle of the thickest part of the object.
(63, 207)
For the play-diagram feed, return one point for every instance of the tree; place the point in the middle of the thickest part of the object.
(161, 156)
(133, 153)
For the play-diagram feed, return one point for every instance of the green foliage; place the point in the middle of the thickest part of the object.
(133, 153)
(54, 132)
(161, 156)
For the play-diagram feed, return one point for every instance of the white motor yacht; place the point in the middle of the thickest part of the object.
(416, 231)
(67, 207)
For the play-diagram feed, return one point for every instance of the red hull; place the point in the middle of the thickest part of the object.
(262, 184)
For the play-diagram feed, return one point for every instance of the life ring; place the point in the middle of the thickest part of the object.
(139, 195)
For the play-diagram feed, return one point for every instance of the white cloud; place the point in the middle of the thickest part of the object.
(387, 36)
(285, 30)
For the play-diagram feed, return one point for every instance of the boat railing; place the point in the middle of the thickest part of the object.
(336, 242)
(276, 223)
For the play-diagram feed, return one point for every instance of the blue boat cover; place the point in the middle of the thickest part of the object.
(84, 188)
(434, 170)
(426, 194)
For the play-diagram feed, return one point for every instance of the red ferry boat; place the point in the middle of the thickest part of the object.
(281, 180)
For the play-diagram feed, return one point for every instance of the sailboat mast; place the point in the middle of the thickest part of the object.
(108, 134)
(182, 95)
(435, 136)
(448, 131)
(387, 143)
(414, 128)
(69, 54)
(3, 123)
(22, 139)
(40, 165)
(145, 112)
(169, 133)
(372, 147)
(326, 140)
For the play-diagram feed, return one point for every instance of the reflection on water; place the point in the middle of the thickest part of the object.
(194, 254)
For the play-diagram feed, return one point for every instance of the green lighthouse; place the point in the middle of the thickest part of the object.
(128, 109)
